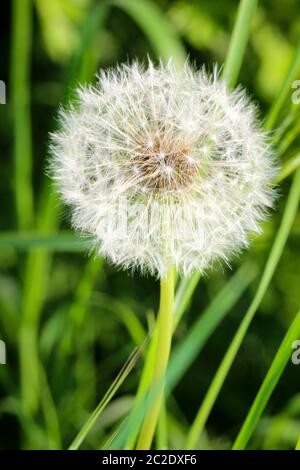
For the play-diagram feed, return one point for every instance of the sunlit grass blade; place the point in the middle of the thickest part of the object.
(285, 124)
(184, 354)
(156, 28)
(20, 92)
(143, 386)
(239, 41)
(278, 365)
(284, 90)
(272, 262)
(126, 369)
(298, 445)
(288, 168)
(289, 138)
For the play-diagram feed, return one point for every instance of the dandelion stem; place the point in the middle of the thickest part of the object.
(165, 327)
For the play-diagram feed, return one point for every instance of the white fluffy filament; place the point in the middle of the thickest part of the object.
(163, 168)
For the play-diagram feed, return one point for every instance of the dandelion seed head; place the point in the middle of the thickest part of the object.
(163, 167)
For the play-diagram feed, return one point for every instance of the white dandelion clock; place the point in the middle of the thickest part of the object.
(163, 167)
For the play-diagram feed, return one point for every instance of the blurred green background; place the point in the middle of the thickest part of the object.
(69, 322)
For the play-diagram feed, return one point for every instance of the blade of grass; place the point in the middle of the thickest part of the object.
(143, 386)
(288, 139)
(239, 41)
(298, 445)
(288, 168)
(57, 242)
(124, 372)
(284, 90)
(272, 262)
(278, 365)
(50, 414)
(124, 313)
(156, 28)
(285, 124)
(20, 92)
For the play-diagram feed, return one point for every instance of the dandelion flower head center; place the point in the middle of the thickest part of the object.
(163, 163)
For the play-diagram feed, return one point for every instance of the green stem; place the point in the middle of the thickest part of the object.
(165, 329)
(20, 71)
(298, 445)
(239, 40)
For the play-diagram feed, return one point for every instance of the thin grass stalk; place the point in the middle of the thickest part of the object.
(20, 92)
(288, 139)
(239, 39)
(123, 373)
(275, 371)
(54, 242)
(285, 124)
(50, 413)
(288, 168)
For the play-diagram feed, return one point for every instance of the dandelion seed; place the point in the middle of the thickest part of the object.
(186, 154)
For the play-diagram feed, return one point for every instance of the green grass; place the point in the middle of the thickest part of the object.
(22, 12)
(282, 357)
(69, 319)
